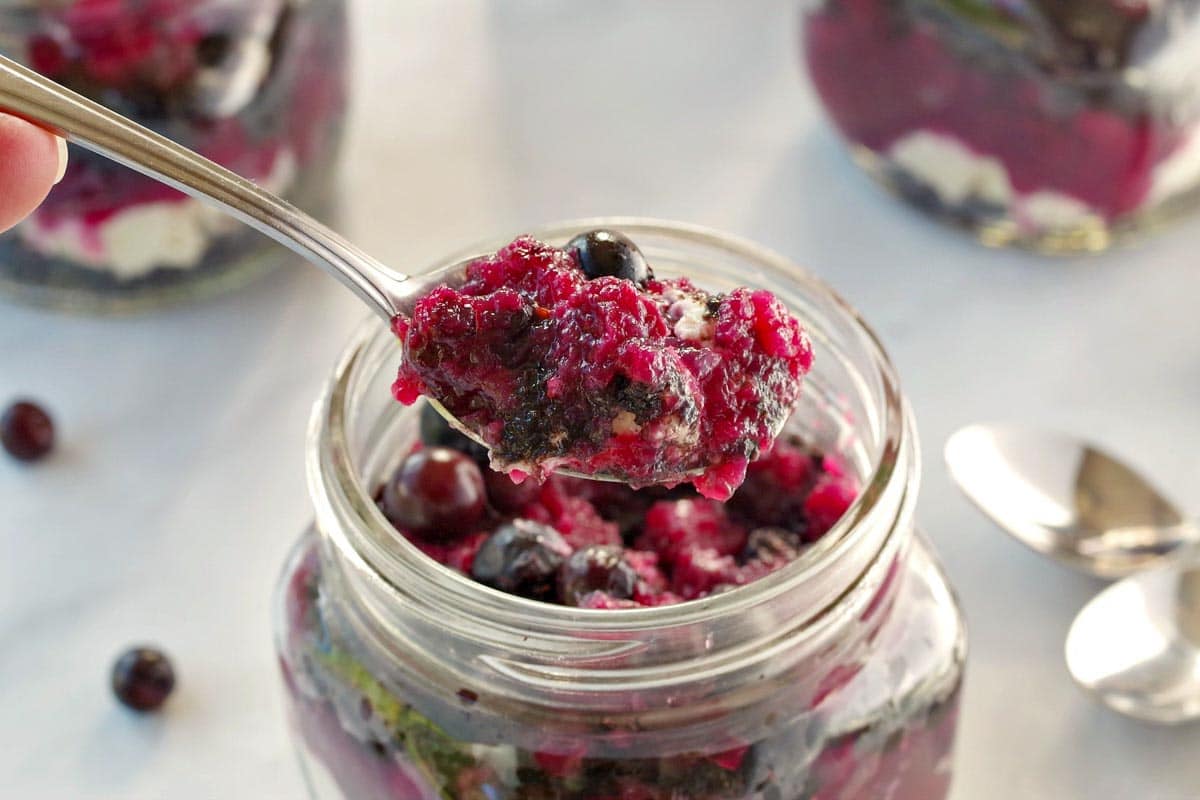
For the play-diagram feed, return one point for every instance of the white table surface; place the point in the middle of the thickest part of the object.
(179, 484)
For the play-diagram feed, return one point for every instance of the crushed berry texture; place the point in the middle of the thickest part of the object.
(645, 382)
(609, 546)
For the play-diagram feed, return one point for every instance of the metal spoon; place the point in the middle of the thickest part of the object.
(26, 94)
(1136, 645)
(1067, 499)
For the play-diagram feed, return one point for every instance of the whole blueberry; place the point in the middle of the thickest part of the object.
(26, 431)
(436, 493)
(596, 568)
(437, 432)
(608, 253)
(505, 495)
(143, 678)
(522, 557)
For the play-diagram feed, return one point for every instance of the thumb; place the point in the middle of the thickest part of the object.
(31, 162)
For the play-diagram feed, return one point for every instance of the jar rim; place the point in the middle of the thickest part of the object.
(392, 559)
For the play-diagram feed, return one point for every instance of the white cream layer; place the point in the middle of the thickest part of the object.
(957, 173)
(172, 234)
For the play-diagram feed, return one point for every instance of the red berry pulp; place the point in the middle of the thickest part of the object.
(606, 545)
(645, 381)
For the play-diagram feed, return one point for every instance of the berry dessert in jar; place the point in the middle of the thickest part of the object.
(446, 632)
(1040, 123)
(255, 85)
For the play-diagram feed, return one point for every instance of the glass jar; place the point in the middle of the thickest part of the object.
(836, 677)
(1053, 125)
(256, 85)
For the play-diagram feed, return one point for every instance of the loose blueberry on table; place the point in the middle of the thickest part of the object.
(580, 358)
(606, 545)
(143, 678)
(26, 431)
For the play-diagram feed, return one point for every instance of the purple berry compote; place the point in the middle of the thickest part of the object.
(579, 358)
(1053, 124)
(597, 544)
(447, 633)
(256, 85)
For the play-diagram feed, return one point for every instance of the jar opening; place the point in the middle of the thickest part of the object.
(852, 404)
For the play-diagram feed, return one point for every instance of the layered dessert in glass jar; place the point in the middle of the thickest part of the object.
(1040, 123)
(444, 632)
(255, 85)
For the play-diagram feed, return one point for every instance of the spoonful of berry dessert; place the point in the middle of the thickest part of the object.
(574, 359)
(580, 359)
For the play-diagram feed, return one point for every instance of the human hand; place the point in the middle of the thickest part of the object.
(31, 162)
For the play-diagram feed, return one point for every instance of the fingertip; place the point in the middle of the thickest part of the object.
(31, 162)
(61, 150)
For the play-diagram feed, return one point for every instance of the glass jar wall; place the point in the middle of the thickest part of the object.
(1054, 125)
(256, 85)
(835, 677)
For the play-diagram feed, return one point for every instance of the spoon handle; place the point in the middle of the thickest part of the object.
(28, 95)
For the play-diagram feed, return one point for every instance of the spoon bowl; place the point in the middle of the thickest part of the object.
(1136, 645)
(474, 436)
(1067, 499)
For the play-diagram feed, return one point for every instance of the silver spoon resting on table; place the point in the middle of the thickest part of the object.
(1136, 645)
(28, 95)
(1068, 499)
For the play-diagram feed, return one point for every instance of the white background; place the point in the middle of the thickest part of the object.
(179, 485)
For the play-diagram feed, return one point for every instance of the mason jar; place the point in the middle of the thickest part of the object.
(1056, 126)
(257, 85)
(835, 677)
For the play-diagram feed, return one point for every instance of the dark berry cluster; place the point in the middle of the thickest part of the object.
(604, 545)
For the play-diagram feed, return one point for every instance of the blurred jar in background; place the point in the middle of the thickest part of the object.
(1053, 124)
(256, 85)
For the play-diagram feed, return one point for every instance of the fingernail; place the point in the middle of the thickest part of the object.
(62, 158)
